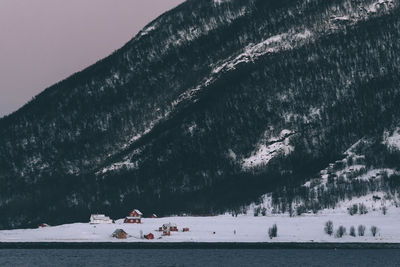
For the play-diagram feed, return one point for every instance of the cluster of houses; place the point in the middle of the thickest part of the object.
(135, 216)
(121, 234)
(167, 228)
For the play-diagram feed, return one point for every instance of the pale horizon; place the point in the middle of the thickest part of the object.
(45, 41)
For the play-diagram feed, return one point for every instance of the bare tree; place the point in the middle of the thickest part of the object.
(374, 230)
(352, 231)
(362, 209)
(341, 231)
(263, 211)
(328, 227)
(257, 211)
(384, 210)
(361, 230)
(353, 209)
(273, 231)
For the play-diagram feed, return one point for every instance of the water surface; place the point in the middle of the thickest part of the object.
(199, 257)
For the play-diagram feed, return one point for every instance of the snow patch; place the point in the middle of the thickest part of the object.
(373, 202)
(380, 5)
(351, 150)
(352, 167)
(267, 151)
(218, 2)
(356, 12)
(147, 30)
(191, 33)
(127, 164)
(192, 128)
(392, 141)
(284, 41)
(232, 155)
(372, 174)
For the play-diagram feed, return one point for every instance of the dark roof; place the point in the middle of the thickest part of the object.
(118, 231)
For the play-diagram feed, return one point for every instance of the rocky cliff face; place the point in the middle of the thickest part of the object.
(210, 106)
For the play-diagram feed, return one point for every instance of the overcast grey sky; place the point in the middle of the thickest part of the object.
(45, 41)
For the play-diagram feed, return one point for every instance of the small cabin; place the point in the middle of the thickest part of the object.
(174, 227)
(120, 234)
(100, 219)
(186, 229)
(134, 217)
(154, 216)
(149, 236)
(375, 198)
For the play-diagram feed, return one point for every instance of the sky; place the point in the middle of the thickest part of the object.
(45, 41)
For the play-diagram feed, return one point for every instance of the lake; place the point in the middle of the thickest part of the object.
(199, 257)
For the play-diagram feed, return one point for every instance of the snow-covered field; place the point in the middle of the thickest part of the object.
(305, 228)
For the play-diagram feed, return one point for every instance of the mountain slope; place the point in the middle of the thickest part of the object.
(210, 106)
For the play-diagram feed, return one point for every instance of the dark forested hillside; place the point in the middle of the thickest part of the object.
(209, 107)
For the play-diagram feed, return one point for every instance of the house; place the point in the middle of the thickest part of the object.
(149, 236)
(120, 234)
(42, 225)
(186, 229)
(375, 198)
(134, 217)
(166, 229)
(154, 216)
(100, 219)
(174, 227)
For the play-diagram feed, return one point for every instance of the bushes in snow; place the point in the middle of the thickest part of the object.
(260, 210)
(328, 227)
(374, 230)
(352, 231)
(257, 211)
(360, 208)
(263, 211)
(361, 230)
(301, 209)
(341, 231)
(353, 209)
(384, 210)
(273, 231)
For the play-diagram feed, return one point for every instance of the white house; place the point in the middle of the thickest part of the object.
(100, 219)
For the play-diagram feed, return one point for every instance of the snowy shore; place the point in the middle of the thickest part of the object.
(225, 228)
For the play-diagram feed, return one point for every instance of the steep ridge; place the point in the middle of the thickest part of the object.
(210, 106)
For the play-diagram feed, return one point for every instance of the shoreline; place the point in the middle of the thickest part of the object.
(195, 245)
(222, 231)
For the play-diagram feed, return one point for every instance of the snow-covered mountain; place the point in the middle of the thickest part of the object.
(211, 106)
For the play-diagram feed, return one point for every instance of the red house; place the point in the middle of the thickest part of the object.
(149, 236)
(154, 216)
(134, 217)
(174, 228)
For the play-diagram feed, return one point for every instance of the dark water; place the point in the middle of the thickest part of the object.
(198, 257)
